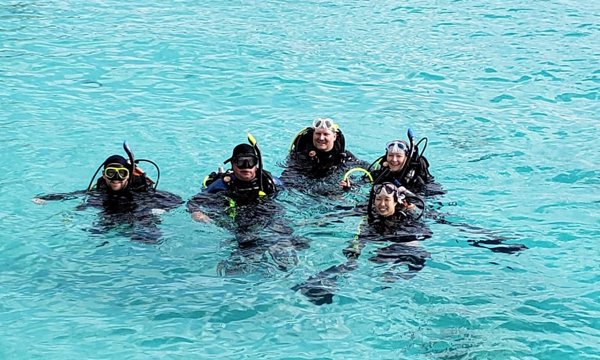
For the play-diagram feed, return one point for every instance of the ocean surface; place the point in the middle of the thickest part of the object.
(507, 93)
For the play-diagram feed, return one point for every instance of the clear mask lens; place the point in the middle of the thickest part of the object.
(323, 123)
(396, 147)
(113, 173)
(387, 188)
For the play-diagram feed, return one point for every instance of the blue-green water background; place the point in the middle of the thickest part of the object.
(507, 92)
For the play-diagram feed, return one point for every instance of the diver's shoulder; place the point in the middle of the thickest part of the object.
(219, 185)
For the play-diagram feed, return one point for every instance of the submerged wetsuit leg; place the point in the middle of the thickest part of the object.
(406, 261)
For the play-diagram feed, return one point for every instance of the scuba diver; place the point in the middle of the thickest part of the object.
(393, 216)
(242, 201)
(404, 165)
(129, 200)
(318, 152)
(246, 182)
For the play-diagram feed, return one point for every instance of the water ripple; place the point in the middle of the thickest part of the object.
(506, 93)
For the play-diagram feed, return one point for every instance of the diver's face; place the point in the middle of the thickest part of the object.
(324, 139)
(396, 160)
(385, 204)
(247, 174)
(116, 183)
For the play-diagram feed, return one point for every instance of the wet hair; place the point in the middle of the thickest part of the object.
(115, 159)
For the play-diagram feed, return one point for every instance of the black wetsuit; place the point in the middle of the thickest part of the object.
(400, 232)
(486, 238)
(406, 260)
(416, 177)
(256, 221)
(306, 162)
(131, 212)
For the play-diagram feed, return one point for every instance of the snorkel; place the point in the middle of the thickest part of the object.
(133, 163)
(411, 150)
(90, 185)
(357, 169)
(414, 155)
(130, 155)
(132, 168)
(411, 140)
(252, 142)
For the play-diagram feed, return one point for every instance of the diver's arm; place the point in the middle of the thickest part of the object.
(202, 203)
(354, 249)
(352, 161)
(42, 199)
(194, 207)
(166, 200)
(199, 216)
(279, 184)
(488, 237)
(207, 200)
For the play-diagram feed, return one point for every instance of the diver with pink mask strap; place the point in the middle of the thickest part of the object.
(404, 165)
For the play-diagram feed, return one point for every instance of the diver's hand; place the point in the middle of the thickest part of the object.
(199, 216)
(351, 253)
(346, 184)
(38, 201)
(405, 191)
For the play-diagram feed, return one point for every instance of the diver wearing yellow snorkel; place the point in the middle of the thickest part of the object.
(242, 200)
(245, 183)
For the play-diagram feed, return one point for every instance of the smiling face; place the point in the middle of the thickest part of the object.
(385, 205)
(324, 139)
(116, 177)
(396, 160)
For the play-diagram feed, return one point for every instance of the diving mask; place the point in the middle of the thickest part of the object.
(245, 162)
(324, 123)
(396, 146)
(118, 173)
(386, 188)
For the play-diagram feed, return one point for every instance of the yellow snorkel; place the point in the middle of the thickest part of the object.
(357, 169)
(252, 141)
(353, 170)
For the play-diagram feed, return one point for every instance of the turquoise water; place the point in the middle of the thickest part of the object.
(507, 92)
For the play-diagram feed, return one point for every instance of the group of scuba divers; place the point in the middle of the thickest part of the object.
(241, 200)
